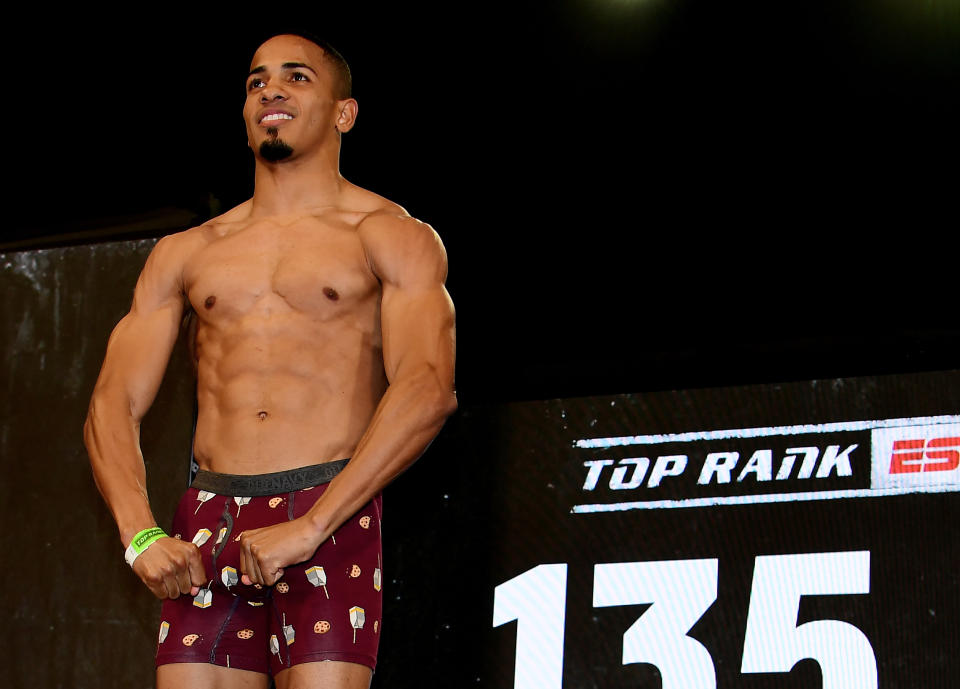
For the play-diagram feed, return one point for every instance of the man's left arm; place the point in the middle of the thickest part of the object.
(417, 321)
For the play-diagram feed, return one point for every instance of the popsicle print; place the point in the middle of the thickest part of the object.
(317, 577)
(202, 536)
(203, 599)
(241, 502)
(357, 617)
(202, 497)
(229, 576)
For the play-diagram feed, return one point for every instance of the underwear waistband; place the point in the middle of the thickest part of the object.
(259, 485)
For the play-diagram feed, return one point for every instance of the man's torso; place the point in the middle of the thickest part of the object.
(288, 343)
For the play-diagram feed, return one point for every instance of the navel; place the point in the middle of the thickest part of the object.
(262, 415)
(330, 293)
(210, 301)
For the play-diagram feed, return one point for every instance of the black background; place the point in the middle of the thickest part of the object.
(634, 195)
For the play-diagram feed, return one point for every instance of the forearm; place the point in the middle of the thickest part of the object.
(408, 418)
(112, 440)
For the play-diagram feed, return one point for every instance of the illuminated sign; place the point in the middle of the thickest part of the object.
(800, 545)
(791, 464)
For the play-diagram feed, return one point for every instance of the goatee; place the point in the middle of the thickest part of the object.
(275, 150)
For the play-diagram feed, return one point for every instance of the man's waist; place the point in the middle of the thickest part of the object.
(258, 485)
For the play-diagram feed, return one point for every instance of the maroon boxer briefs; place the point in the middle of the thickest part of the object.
(327, 608)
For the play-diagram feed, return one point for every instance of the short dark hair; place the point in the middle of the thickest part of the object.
(342, 78)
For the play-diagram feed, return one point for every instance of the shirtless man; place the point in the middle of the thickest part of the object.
(324, 332)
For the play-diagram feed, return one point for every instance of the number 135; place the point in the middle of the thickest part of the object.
(680, 592)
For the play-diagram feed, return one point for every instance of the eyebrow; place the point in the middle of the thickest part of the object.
(285, 65)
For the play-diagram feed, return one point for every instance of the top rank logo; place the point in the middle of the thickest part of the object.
(738, 469)
(726, 466)
(845, 459)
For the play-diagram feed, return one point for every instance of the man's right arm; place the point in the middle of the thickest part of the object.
(137, 354)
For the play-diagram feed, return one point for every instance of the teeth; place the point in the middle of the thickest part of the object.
(276, 116)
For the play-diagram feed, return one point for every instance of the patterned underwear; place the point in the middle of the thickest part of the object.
(327, 608)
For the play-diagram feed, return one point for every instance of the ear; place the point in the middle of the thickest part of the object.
(347, 115)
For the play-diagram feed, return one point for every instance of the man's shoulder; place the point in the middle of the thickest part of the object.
(396, 243)
(220, 224)
(383, 224)
(185, 242)
(381, 219)
(390, 230)
(371, 208)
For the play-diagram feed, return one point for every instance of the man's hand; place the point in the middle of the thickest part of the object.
(265, 552)
(170, 567)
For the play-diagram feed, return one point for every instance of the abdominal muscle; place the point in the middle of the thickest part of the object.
(284, 392)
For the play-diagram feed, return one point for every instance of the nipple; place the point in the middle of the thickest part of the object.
(210, 301)
(330, 293)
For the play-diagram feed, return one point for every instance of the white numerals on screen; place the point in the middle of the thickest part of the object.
(774, 642)
(537, 600)
(681, 591)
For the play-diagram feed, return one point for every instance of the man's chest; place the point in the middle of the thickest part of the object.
(308, 267)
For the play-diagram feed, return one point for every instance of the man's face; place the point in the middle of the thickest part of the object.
(290, 108)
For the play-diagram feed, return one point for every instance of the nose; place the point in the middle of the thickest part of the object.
(271, 94)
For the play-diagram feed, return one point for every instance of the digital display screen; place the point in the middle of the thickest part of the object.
(796, 535)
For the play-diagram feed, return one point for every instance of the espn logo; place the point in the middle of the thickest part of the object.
(922, 454)
(918, 457)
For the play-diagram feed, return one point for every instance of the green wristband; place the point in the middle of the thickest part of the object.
(141, 542)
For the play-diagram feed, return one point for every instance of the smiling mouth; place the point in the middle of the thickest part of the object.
(275, 117)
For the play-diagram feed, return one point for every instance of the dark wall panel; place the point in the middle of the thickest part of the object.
(73, 612)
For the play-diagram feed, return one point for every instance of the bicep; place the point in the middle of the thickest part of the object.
(416, 312)
(418, 331)
(137, 355)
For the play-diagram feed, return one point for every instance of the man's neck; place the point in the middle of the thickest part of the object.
(295, 185)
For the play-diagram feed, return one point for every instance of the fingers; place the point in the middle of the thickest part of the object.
(172, 585)
(161, 580)
(256, 574)
(182, 578)
(255, 566)
(171, 568)
(249, 563)
(198, 575)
